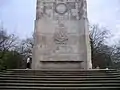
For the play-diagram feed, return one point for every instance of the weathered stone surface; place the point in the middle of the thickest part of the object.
(61, 35)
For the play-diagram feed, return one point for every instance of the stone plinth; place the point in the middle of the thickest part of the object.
(61, 35)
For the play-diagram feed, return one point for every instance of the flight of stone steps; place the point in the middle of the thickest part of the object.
(60, 80)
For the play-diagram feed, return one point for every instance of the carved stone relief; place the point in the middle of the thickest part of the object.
(61, 10)
(66, 9)
(60, 35)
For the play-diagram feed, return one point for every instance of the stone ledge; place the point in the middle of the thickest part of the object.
(61, 61)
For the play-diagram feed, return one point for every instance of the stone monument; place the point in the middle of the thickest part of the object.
(61, 35)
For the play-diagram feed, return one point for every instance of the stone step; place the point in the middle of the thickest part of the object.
(39, 73)
(57, 88)
(80, 73)
(31, 76)
(60, 80)
(67, 82)
(82, 70)
(58, 74)
(61, 85)
(57, 79)
(62, 75)
(63, 71)
(113, 73)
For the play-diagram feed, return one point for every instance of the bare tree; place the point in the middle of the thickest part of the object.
(98, 35)
(116, 55)
(26, 46)
(7, 42)
(101, 53)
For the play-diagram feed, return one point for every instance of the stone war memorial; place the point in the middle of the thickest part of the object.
(61, 35)
(61, 53)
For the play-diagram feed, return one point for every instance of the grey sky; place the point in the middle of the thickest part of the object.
(107, 14)
(18, 15)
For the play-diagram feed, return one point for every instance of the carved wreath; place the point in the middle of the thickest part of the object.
(61, 8)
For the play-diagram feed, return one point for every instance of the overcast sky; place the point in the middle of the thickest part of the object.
(18, 16)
